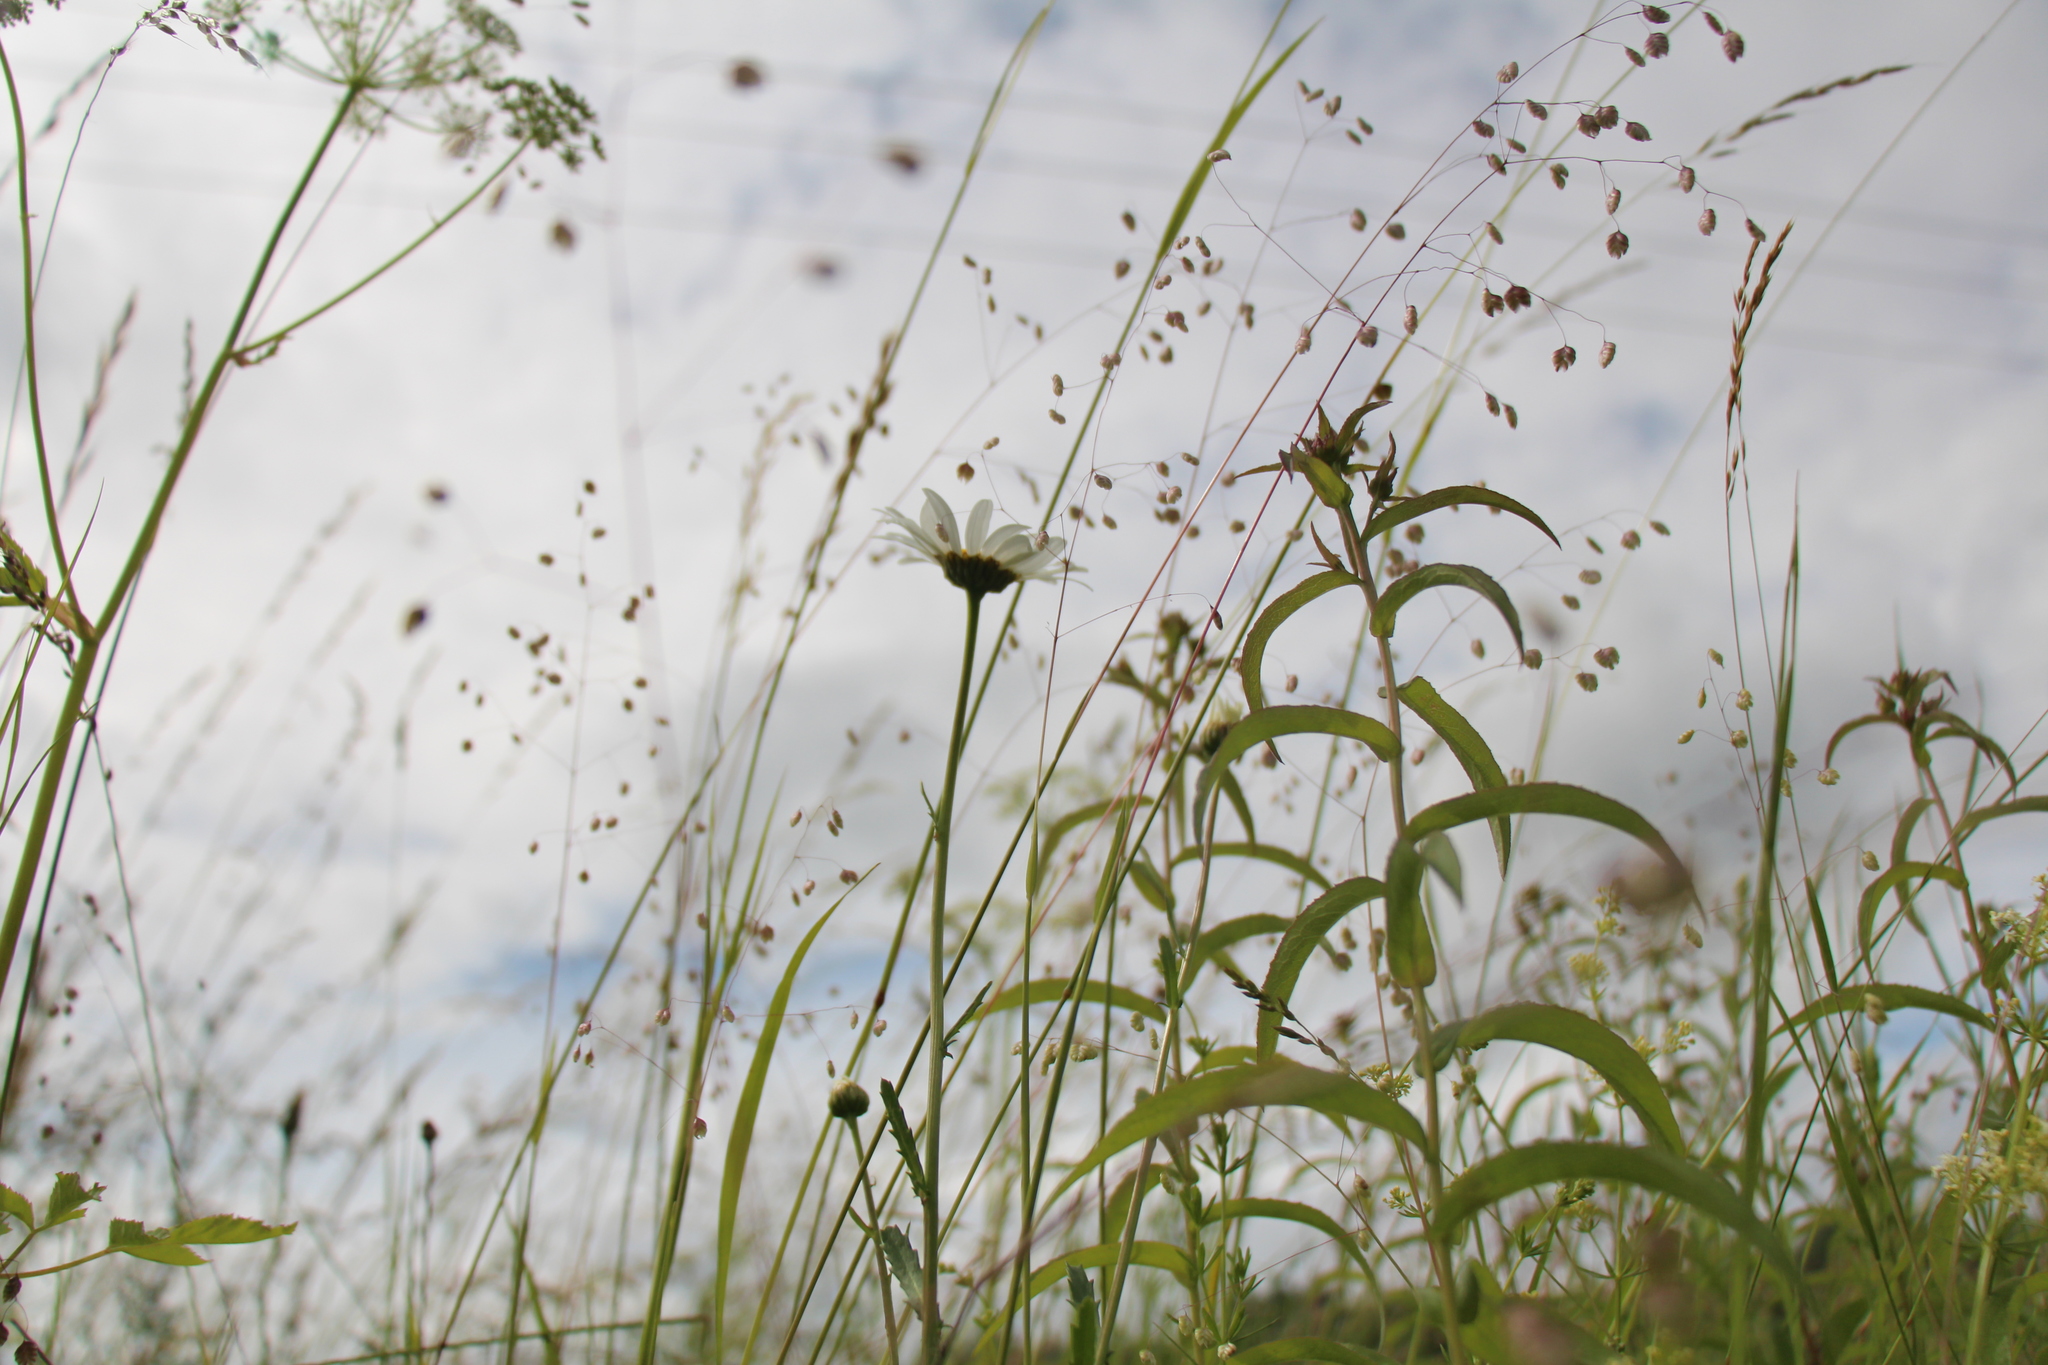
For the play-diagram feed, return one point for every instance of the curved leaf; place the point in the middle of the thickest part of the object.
(1049, 839)
(1411, 952)
(741, 1138)
(1224, 1056)
(1440, 855)
(1465, 743)
(1151, 885)
(1309, 1348)
(1289, 1211)
(1253, 656)
(1895, 877)
(1577, 1035)
(1902, 830)
(1273, 1082)
(1458, 495)
(1299, 940)
(1409, 586)
(1892, 998)
(2025, 805)
(1237, 803)
(1543, 798)
(1847, 728)
(1049, 988)
(1279, 857)
(1947, 725)
(1158, 1255)
(1275, 721)
(1233, 931)
(1547, 1163)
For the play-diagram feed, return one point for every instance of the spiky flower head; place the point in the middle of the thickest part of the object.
(980, 561)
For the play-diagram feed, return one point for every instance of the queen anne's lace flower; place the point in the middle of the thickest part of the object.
(980, 561)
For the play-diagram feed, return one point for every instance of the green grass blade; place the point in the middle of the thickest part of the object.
(1462, 495)
(1548, 1163)
(1466, 744)
(1276, 613)
(1577, 1035)
(1408, 587)
(1543, 798)
(740, 1143)
(1279, 857)
(1891, 997)
(1288, 1211)
(2025, 805)
(1274, 721)
(1300, 939)
(1894, 878)
(1272, 1082)
(1047, 989)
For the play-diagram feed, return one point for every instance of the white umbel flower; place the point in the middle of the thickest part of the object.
(980, 561)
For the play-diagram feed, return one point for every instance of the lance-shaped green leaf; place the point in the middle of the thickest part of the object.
(906, 1141)
(1273, 1082)
(1947, 725)
(1220, 938)
(1320, 1349)
(1151, 885)
(1895, 877)
(1154, 1255)
(1576, 1035)
(1275, 721)
(1298, 941)
(901, 1257)
(173, 1246)
(1288, 1211)
(1441, 856)
(1543, 798)
(1045, 990)
(1087, 1317)
(2025, 805)
(1407, 587)
(1422, 504)
(1850, 727)
(741, 1139)
(1267, 853)
(1228, 784)
(1411, 951)
(1890, 997)
(1649, 1168)
(1466, 744)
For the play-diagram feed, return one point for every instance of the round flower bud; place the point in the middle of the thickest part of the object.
(848, 1100)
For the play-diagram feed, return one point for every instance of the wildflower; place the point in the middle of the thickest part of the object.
(848, 1100)
(2027, 932)
(981, 561)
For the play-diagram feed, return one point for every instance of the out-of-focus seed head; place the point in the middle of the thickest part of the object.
(1707, 222)
(1657, 45)
(1532, 658)
(1636, 132)
(1606, 359)
(1358, 220)
(1492, 405)
(699, 1127)
(1397, 232)
(848, 1100)
(1869, 861)
(1494, 233)
(1873, 1008)
(1507, 410)
(1218, 155)
(1739, 738)
(1588, 682)
(1732, 46)
(1368, 336)
(1608, 115)
(1608, 657)
(1692, 936)
(661, 1016)
(1559, 173)
(1686, 738)
(1743, 700)
(1656, 14)
(1828, 777)
(1517, 297)
(1302, 342)
(1495, 164)
(1617, 244)
(1507, 74)
(1102, 481)
(1635, 56)
(1563, 358)
(1589, 125)
(1410, 319)
(1482, 127)
(1613, 200)
(965, 471)
(1686, 179)
(1589, 576)
(1754, 230)
(1490, 302)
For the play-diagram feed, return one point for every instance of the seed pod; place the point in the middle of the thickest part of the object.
(1508, 73)
(1532, 658)
(848, 1100)
(1589, 576)
(1508, 411)
(1635, 56)
(1692, 936)
(1490, 302)
(1121, 269)
(1368, 336)
(1130, 223)
(1482, 127)
(1873, 1008)
(1739, 738)
(1829, 777)
(1686, 179)
(1656, 14)
(1397, 232)
(1301, 343)
(1869, 861)
(699, 1127)
(1707, 221)
(1686, 738)
(1559, 173)
(1561, 359)
(1492, 405)
(1731, 45)
(1636, 132)
(1607, 658)
(1588, 682)
(1358, 220)
(1613, 200)
(1608, 115)
(1102, 481)
(1657, 45)
(1606, 359)
(1617, 244)
(1410, 319)
(1495, 164)
(1588, 125)
(1494, 233)
(1218, 155)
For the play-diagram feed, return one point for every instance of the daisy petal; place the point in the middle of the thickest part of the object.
(977, 526)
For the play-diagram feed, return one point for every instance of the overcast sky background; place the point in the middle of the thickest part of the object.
(290, 777)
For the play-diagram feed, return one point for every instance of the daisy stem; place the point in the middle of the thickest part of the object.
(942, 839)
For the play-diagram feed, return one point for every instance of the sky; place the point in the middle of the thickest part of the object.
(301, 783)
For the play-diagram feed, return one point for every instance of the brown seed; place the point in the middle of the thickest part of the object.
(1130, 223)
(1635, 56)
(1608, 657)
(1588, 681)
(1482, 127)
(1685, 179)
(1613, 200)
(1508, 411)
(1656, 14)
(1054, 413)
(1410, 319)
(1397, 232)
(1358, 220)
(1606, 354)
(1637, 132)
(1508, 73)
(1657, 45)
(1536, 111)
(1589, 125)
(1490, 303)
(1559, 173)
(1617, 244)
(1102, 481)
(1608, 115)
(1561, 359)
(1532, 658)
(1517, 298)
(1492, 405)
(1629, 540)
(1707, 221)
(1121, 269)
(1494, 233)
(1731, 45)
(1496, 165)
(1368, 336)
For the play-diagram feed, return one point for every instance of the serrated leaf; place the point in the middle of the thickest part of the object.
(1320, 1349)
(1460, 495)
(1288, 1211)
(1466, 744)
(902, 1261)
(1891, 997)
(1279, 857)
(68, 1198)
(131, 1239)
(1274, 721)
(1276, 1081)
(1048, 989)
(1407, 587)
(225, 1229)
(1895, 877)
(1576, 1035)
(1298, 940)
(1650, 1168)
(967, 1016)
(1411, 951)
(16, 1206)
(1544, 798)
(906, 1141)
(1087, 1317)
(740, 1142)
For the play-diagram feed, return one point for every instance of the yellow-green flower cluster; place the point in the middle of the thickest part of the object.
(2011, 1162)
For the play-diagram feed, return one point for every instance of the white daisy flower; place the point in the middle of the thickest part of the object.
(981, 561)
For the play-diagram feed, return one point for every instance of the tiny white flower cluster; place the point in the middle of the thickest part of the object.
(2027, 930)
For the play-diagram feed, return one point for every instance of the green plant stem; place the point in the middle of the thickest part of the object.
(942, 848)
(867, 1188)
(34, 837)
